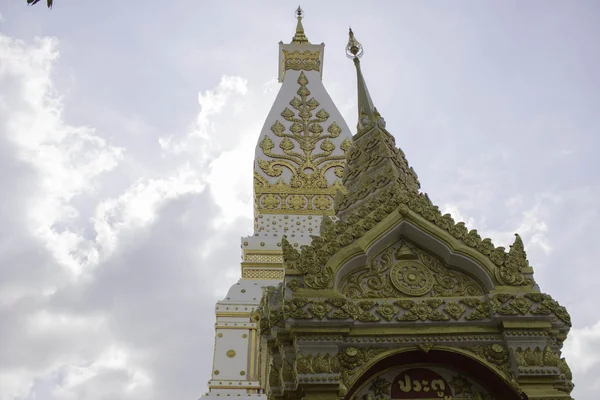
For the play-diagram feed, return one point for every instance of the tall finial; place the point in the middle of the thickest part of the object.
(353, 49)
(299, 37)
(367, 113)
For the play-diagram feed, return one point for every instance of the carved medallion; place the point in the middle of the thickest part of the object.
(411, 277)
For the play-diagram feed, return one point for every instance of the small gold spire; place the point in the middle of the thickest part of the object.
(299, 37)
(367, 112)
(353, 49)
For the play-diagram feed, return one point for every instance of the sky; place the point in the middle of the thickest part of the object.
(127, 131)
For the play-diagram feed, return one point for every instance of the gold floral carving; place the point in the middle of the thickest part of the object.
(529, 303)
(273, 312)
(480, 307)
(319, 309)
(387, 311)
(454, 309)
(508, 304)
(308, 189)
(495, 354)
(293, 284)
(317, 364)
(537, 357)
(422, 310)
(391, 274)
(302, 60)
(351, 358)
(358, 311)
(294, 308)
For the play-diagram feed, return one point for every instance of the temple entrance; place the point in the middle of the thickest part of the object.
(434, 375)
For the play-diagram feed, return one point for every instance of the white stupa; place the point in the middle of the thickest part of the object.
(298, 166)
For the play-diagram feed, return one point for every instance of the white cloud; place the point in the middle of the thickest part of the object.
(66, 235)
(78, 380)
(583, 345)
(203, 140)
(66, 159)
(138, 206)
(582, 352)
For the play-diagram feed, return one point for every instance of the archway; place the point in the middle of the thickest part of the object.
(436, 374)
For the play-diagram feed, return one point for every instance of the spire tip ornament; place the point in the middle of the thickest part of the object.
(367, 113)
(299, 37)
(354, 49)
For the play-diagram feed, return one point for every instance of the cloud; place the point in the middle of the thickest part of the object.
(220, 143)
(92, 279)
(66, 159)
(203, 140)
(582, 351)
(138, 206)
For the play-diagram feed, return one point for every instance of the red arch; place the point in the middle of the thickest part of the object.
(448, 359)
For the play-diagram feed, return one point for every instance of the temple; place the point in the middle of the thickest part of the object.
(355, 286)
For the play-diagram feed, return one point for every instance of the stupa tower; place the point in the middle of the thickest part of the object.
(298, 167)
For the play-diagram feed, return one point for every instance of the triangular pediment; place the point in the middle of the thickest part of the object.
(403, 269)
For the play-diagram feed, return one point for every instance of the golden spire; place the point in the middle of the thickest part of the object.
(354, 50)
(379, 167)
(299, 37)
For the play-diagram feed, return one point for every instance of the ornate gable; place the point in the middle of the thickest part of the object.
(404, 270)
(396, 300)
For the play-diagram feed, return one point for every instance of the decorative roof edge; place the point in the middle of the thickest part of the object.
(511, 267)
